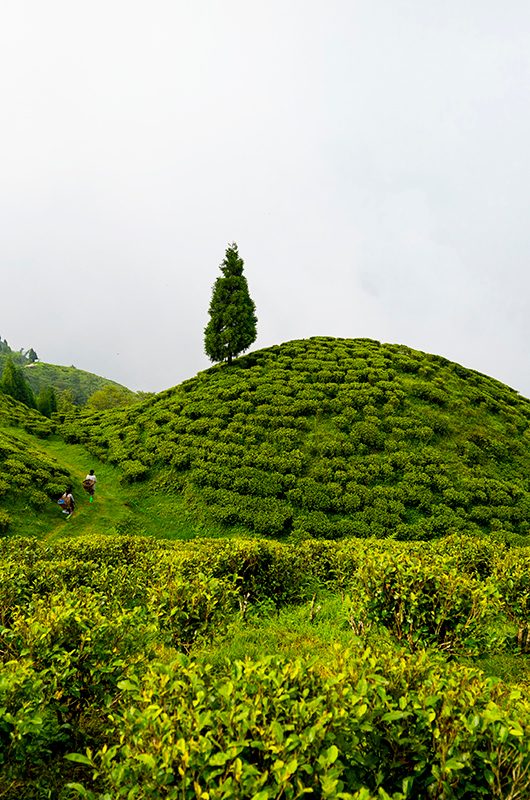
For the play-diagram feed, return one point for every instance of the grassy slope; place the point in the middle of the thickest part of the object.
(35, 467)
(298, 629)
(117, 509)
(40, 375)
(330, 437)
(82, 384)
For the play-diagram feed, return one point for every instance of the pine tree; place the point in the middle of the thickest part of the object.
(232, 326)
(14, 384)
(31, 355)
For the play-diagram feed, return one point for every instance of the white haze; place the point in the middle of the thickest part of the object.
(370, 158)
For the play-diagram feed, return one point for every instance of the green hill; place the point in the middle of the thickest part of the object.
(39, 375)
(80, 383)
(331, 437)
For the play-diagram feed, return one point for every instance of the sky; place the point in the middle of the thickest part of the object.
(369, 157)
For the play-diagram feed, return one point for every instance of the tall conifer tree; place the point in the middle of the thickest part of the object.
(14, 384)
(232, 326)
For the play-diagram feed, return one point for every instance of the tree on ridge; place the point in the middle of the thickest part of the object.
(232, 326)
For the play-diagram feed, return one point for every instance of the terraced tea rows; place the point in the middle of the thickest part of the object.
(331, 438)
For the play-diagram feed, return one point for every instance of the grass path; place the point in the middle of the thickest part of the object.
(110, 498)
(117, 508)
(110, 502)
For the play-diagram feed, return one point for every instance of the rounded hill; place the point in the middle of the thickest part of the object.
(331, 437)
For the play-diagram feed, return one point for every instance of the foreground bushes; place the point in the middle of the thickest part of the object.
(102, 685)
(275, 728)
(424, 601)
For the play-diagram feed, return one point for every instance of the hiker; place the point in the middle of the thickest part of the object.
(67, 502)
(89, 485)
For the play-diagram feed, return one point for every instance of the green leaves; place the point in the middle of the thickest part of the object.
(424, 600)
(307, 737)
(79, 758)
(94, 632)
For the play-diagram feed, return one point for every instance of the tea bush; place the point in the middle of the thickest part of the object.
(29, 474)
(424, 601)
(394, 727)
(105, 646)
(18, 415)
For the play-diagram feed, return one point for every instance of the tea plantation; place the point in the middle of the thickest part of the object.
(330, 438)
(252, 669)
(330, 597)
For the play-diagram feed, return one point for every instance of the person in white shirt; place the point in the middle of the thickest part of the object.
(89, 484)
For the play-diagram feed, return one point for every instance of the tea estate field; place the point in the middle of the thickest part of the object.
(160, 645)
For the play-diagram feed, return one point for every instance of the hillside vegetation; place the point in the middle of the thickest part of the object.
(79, 383)
(29, 478)
(17, 415)
(329, 438)
(243, 668)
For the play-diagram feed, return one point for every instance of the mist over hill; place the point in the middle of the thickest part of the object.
(331, 437)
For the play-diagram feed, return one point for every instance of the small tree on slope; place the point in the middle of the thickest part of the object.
(232, 326)
(46, 401)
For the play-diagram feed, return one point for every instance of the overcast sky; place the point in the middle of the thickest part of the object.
(369, 157)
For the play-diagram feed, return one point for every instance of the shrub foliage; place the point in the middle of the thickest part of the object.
(330, 437)
(104, 691)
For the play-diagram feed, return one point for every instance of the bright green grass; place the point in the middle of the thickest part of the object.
(316, 629)
(117, 508)
(313, 629)
(96, 517)
(509, 667)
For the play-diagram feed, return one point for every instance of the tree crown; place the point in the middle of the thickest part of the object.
(232, 326)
